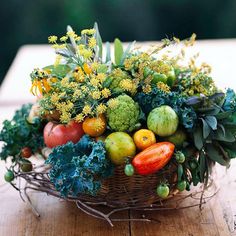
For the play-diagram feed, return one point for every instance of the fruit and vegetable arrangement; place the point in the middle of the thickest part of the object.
(134, 123)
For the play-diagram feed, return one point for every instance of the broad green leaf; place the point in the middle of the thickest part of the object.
(215, 154)
(98, 39)
(125, 54)
(198, 138)
(108, 52)
(226, 136)
(59, 70)
(206, 129)
(223, 115)
(211, 121)
(118, 51)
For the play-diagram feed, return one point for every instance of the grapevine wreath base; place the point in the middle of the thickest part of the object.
(114, 192)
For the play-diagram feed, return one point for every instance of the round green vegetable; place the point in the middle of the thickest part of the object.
(163, 121)
(9, 176)
(178, 138)
(129, 169)
(181, 186)
(171, 77)
(157, 77)
(163, 190)
(180, 157)
(26, 166)
(125, 115)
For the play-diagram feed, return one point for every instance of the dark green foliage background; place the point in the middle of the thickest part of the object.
(31, 21)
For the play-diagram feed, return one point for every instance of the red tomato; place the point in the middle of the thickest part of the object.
(58, 134)
(153, 158)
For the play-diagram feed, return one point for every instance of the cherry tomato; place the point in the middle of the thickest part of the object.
(181, 186)
(9, 176)
(163, 190)
(129, 169)
(26, 152)
(26, 166)
(180, 157)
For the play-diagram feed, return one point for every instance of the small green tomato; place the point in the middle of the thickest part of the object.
(181, 186)
(180, 157)
(129, 169)
(163, 190)
(26, 166)
(9, 176)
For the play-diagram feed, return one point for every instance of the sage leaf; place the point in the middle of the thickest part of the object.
(198, 138)
(118, 51)
(206, 129)
(212, 122)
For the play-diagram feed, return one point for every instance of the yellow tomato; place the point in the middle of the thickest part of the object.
(94, 126)
(144, 138)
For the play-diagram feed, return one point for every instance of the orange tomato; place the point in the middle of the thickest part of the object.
(94, 126)
(144, 138)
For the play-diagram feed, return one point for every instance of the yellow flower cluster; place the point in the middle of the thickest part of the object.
(164, 87)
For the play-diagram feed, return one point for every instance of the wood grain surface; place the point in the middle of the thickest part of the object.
(60, 218)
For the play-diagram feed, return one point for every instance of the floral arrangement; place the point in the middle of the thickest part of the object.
(147, 111)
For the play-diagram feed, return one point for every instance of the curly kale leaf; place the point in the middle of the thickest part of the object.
(79, 168)
(230, 101)
(157, 98)
(19, 133)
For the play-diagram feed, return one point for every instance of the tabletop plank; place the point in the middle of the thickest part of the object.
(63, 218)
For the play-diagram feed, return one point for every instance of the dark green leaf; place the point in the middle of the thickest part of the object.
(226, 136)
(118, 51)
(223, 115)
(198, 138)
(215, 154)
(211, 121)
(206, 129)
(202, 166)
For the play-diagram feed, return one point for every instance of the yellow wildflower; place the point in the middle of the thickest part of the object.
(86, 53)
(79, 118)
(77, 93)
(84, 89)
(65, 117)
(164, 87)
(71, 34)
(96, 95)
(78, 38)
(94, 82)
(92, 42)
(101, 77)
(112, 103)
(87, 110)
(52, 39)
(127, 85)
(94, 66)
(63, 38)
(101, 108)
(147, 88)
(88, 31)
(106, 92)
(54, 98)
(65, 82)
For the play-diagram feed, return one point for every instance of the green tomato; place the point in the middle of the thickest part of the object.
(9, 176)
(180, 157)
(171, 77)
(157, 77)
(129, 169)
(181, 186)
(26, 166)
(163, 190)
(163, 121)
(178, 138)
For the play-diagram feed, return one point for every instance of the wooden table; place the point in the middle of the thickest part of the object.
(60, 218)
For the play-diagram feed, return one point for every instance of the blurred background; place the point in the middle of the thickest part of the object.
(31, 22)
